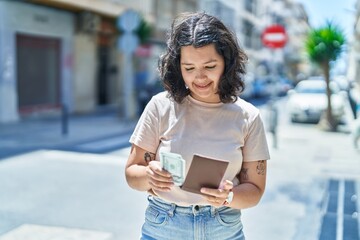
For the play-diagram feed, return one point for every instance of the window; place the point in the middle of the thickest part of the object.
(164, 13)
(223, 12)
(250, 6)
(248, 32)
(186, 6)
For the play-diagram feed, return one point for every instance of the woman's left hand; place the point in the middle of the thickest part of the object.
(217, 197)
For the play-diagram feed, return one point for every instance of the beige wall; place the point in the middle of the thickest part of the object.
(85, 47)
(108, 8)
(84, 73)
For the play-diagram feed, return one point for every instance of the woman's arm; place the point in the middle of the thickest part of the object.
(252, 178)
(144, 174)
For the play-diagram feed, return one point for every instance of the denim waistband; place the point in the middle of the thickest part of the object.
(171, 208)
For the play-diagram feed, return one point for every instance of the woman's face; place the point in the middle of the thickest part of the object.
(202, 69)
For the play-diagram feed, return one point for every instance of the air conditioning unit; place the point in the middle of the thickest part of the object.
(89, 22)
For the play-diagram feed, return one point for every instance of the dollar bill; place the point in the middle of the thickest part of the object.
(175, 165)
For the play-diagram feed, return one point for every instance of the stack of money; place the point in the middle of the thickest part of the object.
(175, 165)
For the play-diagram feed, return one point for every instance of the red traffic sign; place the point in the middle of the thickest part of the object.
(274, 36)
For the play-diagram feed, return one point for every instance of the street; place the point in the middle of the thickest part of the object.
(76, 77)
(312, 191)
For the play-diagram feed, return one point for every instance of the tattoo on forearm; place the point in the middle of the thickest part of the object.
(261, 167)
(244, 174)
(148, 156)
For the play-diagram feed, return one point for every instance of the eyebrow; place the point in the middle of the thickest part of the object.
(210, 61)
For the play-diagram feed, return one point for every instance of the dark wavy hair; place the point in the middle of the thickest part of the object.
(200, 29)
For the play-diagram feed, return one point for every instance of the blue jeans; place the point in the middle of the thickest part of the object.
(165, 220)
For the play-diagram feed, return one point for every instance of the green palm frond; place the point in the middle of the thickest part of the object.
(144, 31)
(325, 44)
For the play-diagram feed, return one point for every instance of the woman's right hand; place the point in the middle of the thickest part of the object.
(158, 178)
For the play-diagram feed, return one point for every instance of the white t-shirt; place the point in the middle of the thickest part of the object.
(228, 131)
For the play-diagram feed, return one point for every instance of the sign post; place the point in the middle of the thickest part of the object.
(128, 22)
(274, 37)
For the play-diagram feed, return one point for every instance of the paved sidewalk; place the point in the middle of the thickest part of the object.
(312, 190)
(313, 187)
(301, 197)
(97, 133)
(51, 194)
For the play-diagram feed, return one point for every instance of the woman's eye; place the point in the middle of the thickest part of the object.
(189, 69)
(210, 67)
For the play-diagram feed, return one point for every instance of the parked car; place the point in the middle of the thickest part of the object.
(308, 100)
(266, 87)
(283, 85)
(342, 81)
(262, 87)
(146, 92)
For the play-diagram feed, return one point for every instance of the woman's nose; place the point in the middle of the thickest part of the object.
(200, 74)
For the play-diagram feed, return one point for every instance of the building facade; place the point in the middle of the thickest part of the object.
(353, 73)
(34, 38)
(249, 18)
(57, 53)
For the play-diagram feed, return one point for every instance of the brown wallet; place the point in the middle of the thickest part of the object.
(204, 172)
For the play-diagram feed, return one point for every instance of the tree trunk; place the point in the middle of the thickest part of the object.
(330, 120)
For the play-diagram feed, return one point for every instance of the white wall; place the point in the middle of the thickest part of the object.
(20, 17)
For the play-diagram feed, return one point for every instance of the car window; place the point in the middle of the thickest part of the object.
(305, 89)
(315, 87)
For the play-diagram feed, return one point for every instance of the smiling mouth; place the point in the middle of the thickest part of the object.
(203, 86)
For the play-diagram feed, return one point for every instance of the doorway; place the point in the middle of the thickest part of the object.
(38, 73)
(103, 75)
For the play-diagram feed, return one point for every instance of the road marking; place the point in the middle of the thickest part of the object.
(82, 157)
(117, 158)
(340, 211)
(104, 144)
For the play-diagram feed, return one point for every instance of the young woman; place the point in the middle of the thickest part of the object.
(200, 112)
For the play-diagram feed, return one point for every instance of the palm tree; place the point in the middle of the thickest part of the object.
(144, 31)
(324, 45)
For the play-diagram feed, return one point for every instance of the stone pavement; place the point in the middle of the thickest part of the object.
(312, 189)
